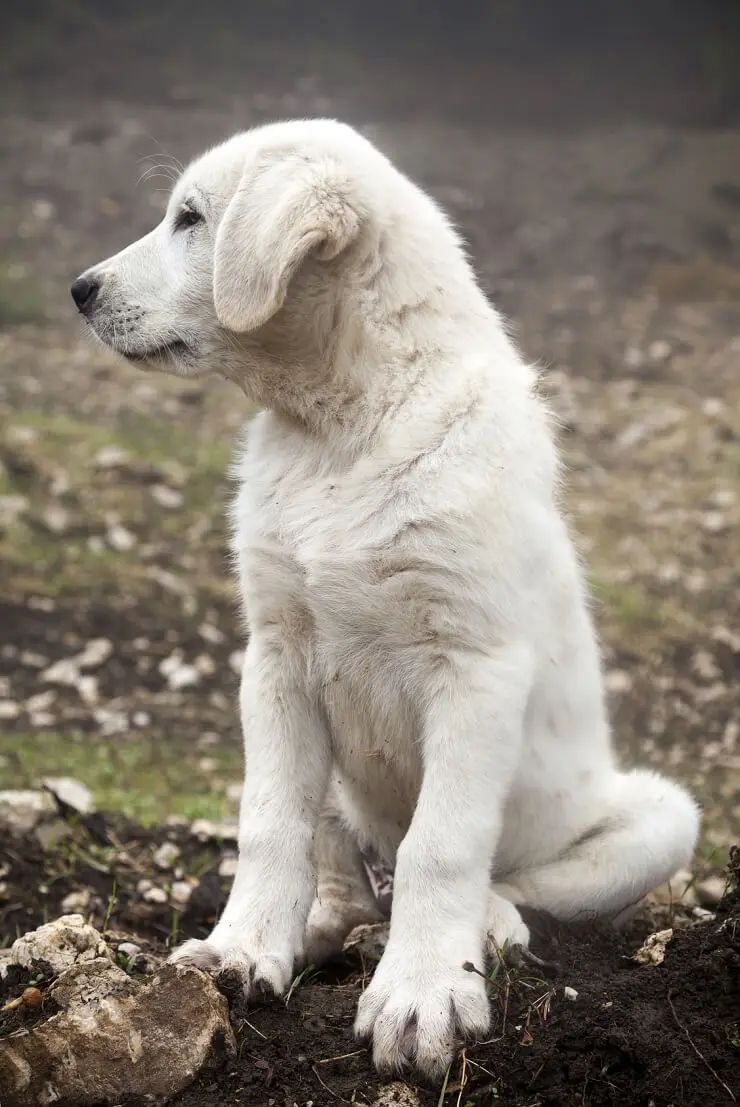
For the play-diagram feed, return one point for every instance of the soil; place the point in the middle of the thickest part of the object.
(633, 1034)
(594, 169)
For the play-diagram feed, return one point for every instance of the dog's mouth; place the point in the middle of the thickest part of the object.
(175, 348)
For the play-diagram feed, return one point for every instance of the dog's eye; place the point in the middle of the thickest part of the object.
(187, 217)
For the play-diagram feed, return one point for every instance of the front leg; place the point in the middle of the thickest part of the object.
(259, 937)
(421, 996)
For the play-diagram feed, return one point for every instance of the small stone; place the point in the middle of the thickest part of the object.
(129, 949)
(9, 709)
(118, 538)
(87, 689)
(110, 721)
(234, 791)
(652, 951)
(143, 886)
(570, 993)
(713, 407)
(72, 793)
(22, 436)
(205, 665)
(166, 855)
(714, 522)
(211, 634)
(177, 673)
(660, 350)
(11, 508)
(166, 496)
(155, 895)
(56, 519)
(705, 666)
(236, 661)
(227, 868)
(618, 682)
(208, 831)
(695, 581)
(176, 821)
(111, 457)
(41, 719)
(96, 653)
(77, 903)
(141, 718)
(42, 603)
(33, 660)
(180, 891)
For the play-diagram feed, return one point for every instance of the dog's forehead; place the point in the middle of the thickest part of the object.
(216, 172)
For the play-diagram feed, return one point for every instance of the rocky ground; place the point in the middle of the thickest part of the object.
(603, 215)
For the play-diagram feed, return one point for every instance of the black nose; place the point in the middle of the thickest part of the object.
(84, 293)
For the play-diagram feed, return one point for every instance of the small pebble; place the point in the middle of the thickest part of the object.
(166, 854)
(180, 891)
(76, 903)
(155, 895)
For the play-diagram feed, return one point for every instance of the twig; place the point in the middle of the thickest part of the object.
(341, 1057)
(697, 1051)
(323, 1085)
(254, 1028)
(463, 1077)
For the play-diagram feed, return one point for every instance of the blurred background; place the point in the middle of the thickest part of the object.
(589, 152)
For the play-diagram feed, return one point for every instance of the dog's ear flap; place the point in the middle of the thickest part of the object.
(277, 217)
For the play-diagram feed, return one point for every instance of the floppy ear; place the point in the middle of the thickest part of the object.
(276, 218)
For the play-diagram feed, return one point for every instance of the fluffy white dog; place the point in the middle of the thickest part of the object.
(422, 676)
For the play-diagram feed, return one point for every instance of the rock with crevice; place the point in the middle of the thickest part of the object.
(59, 945)
(111, 1037)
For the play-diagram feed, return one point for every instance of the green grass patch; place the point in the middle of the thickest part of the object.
(145, 777)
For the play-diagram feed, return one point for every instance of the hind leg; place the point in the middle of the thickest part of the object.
(648, 832)
(344, 898)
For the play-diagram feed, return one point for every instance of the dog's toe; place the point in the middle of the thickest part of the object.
(198, 955)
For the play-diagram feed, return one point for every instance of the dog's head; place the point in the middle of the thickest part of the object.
(260, 225)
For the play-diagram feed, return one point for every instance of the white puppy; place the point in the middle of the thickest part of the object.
(422, 675)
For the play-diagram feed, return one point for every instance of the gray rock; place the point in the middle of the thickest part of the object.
(117, 1038)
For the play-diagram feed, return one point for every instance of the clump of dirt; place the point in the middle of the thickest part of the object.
(599, 1029)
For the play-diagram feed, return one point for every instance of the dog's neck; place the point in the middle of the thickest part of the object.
(345, 360)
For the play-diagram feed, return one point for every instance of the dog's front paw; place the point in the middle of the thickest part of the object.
(417, 1005)
(236, 968)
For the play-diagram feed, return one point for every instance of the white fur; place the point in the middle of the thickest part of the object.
(422, 675)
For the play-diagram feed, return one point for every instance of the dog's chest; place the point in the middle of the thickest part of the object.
(347, 553)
